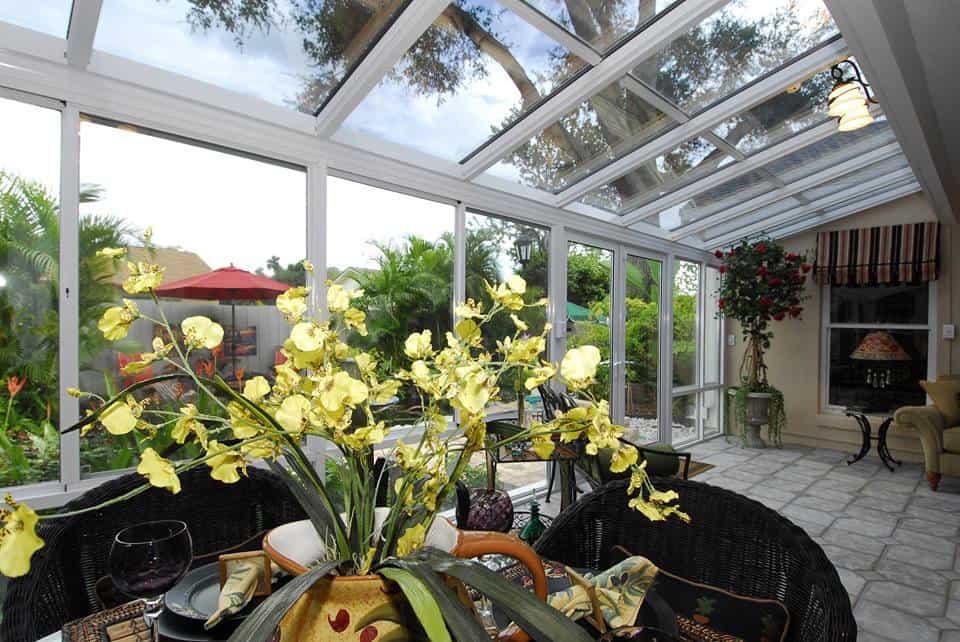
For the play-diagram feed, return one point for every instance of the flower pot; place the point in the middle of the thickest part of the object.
(344, 608)
(758, 414)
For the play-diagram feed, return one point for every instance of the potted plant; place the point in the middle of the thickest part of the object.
(762, 284)
(363, 555)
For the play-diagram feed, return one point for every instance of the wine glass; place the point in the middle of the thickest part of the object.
(147, 560)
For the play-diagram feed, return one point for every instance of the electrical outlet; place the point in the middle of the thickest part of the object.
(731, 340)
(949, 331)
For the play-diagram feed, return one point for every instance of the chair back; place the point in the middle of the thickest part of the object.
(62, 583)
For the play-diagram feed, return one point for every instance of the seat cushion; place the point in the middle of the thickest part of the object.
(951, 440)
(945, 394)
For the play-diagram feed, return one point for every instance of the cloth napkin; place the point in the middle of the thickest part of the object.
(236, 592)
(620, 591)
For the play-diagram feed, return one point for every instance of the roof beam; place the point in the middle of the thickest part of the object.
(84, 17)
(835, 171)
(739, 102)
(881, 36)
(612, 68)
(866, 188)
(378, 61)
(552, 30)
(758, 160)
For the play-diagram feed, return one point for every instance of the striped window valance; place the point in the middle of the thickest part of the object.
(876, 255)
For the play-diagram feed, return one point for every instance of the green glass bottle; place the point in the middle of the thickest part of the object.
(535, 527)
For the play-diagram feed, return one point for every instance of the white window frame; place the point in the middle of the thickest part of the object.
(826, 326)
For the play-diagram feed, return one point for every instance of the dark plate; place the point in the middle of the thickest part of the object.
(178, 629)
(195, 597)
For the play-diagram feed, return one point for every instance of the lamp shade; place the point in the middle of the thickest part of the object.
(880, 345)
(843, 97)
(855, 120)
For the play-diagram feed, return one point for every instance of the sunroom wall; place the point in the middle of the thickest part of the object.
(794, 360)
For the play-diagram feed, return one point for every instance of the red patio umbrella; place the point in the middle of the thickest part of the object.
(225, 284)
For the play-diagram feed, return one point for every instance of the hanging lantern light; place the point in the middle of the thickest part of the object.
(850, 98)
(524, 245)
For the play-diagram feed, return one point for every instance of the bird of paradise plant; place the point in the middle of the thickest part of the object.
(329, 390)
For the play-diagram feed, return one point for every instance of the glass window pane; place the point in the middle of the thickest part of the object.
(603, 23)
(29, 322)
(474, 71)
(686, 294)
(609, 125)
(780, 117)
(201, 222)
(589, 288)
(642, 344)
(884, 384)
(722, 197)
(289, 53)
(399, 250)
(684, 424)
(658, 176)
(48, 16)
(712, 327)
(858, 177)
(880, 305)
(831, 151)
(741, 42)
(711, 412)
(755, 216)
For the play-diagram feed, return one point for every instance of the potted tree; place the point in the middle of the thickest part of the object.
(762, 284)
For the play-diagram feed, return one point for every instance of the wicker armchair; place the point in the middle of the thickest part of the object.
(732, 543)
(62, 583)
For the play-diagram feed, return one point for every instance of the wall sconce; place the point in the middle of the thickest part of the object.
(524, 245)
(850, 98)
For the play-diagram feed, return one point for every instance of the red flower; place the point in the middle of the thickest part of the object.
(722, 269)
(722, 303)
(760, 248)
(205, 368)
(718, 254)
(732, 252)
(766, 301)
(15, 385)
(762, 270)
(806, 267)
(778, 316)
(793, 257)
(241, 373)
(795, 311)
(775, 281)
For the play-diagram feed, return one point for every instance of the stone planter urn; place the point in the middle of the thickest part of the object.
(758, 414)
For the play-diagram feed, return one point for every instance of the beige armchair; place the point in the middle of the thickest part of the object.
(941, 443)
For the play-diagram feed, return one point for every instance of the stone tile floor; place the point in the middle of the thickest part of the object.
(893, 540)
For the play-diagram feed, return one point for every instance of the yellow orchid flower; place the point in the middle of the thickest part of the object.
(419, 345)
(242, 422)
(188, 424)
(540, 376)
(519, 323)
(261, 449)
(287, 379)
(293, 303)
(116, 321)
(469, 309)
(112, 252)
(293, 412)
(307, 265)
(543, 445)
(158, 471)
(201, 332)
(624, 458)
(119, 418)
(18, 538)
(382, 393)
(365, 362)
(256, 388)
(367, 436)
(224, 466)
(579, 366)
(411, 540)
(307, 337)
(144, 277)
(340, 391)
(355, 318)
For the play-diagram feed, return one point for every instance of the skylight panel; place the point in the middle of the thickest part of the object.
(47, 16)
(738, 44)
(602, 23)
(289, 53)
(610, 124)
(657, 177)
(750, 218)
(724, 196)
(777, 119)
(477, 69)
(873, 171)
(836, 148)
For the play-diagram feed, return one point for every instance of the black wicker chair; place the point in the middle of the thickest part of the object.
(732, 543)
(61, 585)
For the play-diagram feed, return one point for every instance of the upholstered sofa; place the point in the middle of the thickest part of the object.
(940, 441)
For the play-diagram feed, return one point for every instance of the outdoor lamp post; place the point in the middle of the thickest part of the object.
(524, 244)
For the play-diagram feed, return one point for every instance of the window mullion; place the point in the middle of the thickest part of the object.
(69, 292)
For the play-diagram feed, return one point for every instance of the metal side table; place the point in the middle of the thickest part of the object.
(860, 413)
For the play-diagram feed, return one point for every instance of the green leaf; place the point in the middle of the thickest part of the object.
(459, 619)
(422, 602)
(539, 620)
(260, 625)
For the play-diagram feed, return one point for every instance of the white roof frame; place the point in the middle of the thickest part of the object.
(84, 16)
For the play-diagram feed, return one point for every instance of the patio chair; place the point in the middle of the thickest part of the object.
(62, 584)
(732, 543)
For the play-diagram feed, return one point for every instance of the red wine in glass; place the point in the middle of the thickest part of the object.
(147, 560)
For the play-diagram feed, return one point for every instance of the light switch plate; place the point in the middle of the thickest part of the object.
(731, 340)
(949, 331)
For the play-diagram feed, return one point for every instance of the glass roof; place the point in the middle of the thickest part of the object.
(603, 23)
(289, 52)
(741, 42)
(47, 16)
(658, 177)
(608, 125)
(491, 90)
(477, 69)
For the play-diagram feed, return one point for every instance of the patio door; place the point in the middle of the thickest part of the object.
(639, 375)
